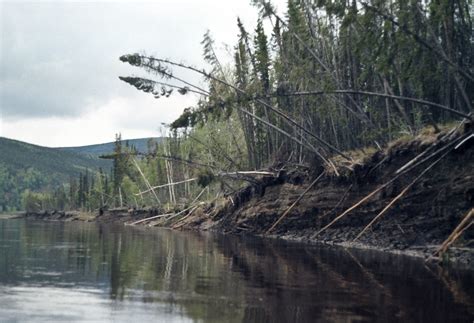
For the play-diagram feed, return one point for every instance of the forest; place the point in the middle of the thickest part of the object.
(40, 174)
(321, 84)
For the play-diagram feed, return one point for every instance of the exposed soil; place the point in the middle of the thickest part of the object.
(416, 224)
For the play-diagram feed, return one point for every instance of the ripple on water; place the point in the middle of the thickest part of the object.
(34, 304)
(71, 272)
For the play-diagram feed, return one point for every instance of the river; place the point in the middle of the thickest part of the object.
(75, 271)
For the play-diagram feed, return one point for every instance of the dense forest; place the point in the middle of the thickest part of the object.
(30, 170)
(310, 86)
(313, 84)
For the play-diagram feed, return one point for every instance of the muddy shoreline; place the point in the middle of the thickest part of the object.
(459, 255)
(416, 225)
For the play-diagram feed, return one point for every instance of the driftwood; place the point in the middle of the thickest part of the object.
(183, 211)
(189, 208)
(447, 146)
(168, 214)
(150, 218)
(147, 183)
(465, 223)
(354, 206)
(399, 196)
(296, 202)
(251, 172)
(176, 225)
(464, 141)
(166, 185)
(222, 174)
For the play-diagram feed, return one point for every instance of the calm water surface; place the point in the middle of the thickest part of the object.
(68, 272)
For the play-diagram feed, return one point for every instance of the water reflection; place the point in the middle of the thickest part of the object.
(81, 271)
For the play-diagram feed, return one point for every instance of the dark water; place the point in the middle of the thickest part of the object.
(85, 272)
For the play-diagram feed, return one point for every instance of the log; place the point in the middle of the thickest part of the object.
(126, 58)
(447, 146)
(399, 196)
(146, 180)
(150, 218)
(166, 185)
(455, 234)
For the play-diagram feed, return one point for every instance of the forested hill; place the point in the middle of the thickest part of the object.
(25, 166)
(106, 148)
(50, 161)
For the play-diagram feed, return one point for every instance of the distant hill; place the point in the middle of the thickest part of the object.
(51, 161)
(26, 166)
(107, 148)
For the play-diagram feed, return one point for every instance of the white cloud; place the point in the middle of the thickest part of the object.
(59, 63)
(134, 117)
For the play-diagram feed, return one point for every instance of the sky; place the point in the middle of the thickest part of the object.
(59, 64)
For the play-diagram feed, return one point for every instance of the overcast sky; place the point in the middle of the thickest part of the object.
(59, 64)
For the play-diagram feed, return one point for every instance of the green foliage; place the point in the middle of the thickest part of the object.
(33, 202)
(262, 57)
(38, 170)
(188, 118)
(283, 99)
(209, 53)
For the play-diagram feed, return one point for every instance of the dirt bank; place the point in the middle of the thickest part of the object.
(118, 215)
(416, 224)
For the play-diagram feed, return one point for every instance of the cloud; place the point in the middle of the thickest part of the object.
(58, 58)
(59, 61)
(134, 117)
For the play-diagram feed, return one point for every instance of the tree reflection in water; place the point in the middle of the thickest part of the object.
(219, 278)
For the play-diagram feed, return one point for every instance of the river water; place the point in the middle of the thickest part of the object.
(69, 272)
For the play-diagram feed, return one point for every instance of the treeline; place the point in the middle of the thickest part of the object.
(38, 169)
(13, 183)
(324, 78)
(87, 191)
(330, 76)
(128, 183)
(82, 193)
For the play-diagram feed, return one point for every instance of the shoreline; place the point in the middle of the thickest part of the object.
(311, 204)
(458, 257)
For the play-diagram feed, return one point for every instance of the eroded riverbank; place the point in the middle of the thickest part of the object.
(415, 225)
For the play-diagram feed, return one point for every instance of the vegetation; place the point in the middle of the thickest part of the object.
(304, 87)
(38, 178)
(38, 172)
(327, 77)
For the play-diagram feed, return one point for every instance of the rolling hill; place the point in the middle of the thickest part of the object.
(25, 166)
(50, 161)
(107, 148)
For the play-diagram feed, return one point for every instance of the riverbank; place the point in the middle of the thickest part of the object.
(9, 216)
(314, 210)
